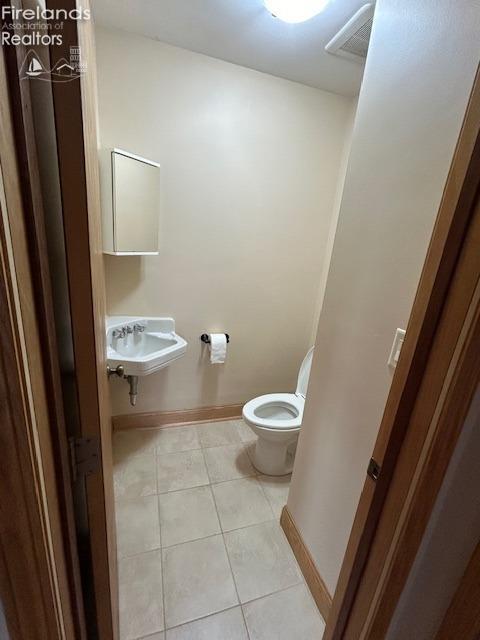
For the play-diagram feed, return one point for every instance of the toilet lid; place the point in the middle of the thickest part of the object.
(304, 374)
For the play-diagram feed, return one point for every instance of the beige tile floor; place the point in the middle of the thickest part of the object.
(201, 553)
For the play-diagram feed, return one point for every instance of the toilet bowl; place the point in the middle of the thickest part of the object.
(276, 419)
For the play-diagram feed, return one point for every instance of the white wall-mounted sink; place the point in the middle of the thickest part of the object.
(142, 345)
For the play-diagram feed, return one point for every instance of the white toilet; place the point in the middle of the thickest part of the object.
(276, 418)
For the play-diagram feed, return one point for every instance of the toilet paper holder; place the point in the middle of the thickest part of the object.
(206, 338)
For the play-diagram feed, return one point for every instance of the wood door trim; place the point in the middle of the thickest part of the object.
(22, 114)
(75, 120)
(450, 229)
(462, 619)
(33, 575)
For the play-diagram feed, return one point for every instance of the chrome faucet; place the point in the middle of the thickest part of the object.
(119, 333)
(129, 328)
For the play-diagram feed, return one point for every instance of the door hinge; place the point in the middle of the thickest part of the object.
(373, 469)
(84, 456)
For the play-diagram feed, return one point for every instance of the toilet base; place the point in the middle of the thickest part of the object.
(274, 458)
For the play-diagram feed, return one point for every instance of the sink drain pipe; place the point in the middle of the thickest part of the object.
(133, 382)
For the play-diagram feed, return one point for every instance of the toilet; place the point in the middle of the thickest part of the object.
(276, 418)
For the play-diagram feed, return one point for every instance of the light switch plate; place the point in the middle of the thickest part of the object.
(396, 348)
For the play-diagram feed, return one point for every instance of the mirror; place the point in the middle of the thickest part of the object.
(131, 205)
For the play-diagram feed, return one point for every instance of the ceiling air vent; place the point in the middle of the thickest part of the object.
(353, 38)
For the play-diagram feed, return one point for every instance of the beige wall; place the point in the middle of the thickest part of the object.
(335, 214)
(250, 165)
(422, 60)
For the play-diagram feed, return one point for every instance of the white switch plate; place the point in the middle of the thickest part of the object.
(396, 348)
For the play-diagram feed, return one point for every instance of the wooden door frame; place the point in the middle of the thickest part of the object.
(35, 581)
(462, 619)
(76, 142)
(75, 107)
(35, 225)
(430, 394)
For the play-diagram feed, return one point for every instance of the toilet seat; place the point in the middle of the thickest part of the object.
(272, 411)
(276, 419)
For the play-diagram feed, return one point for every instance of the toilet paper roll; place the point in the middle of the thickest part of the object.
(218, 348)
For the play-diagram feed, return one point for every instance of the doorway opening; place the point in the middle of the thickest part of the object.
(254, 286)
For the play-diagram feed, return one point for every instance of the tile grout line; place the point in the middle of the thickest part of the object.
(230, 565)
(208, 473)
(239, 605)
(154, 448)
(273, 593)
(256, 476)
(274, 517)
(226, 553)
(267, 499)
(197, 486)
(209, 615)
(212, 535)
(245, 446)
(161, 549)
(222, 530)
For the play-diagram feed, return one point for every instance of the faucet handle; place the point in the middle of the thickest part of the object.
(129, 328)
(139, 327)
(119, 333)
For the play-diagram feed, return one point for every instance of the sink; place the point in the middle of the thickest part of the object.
(142, 345)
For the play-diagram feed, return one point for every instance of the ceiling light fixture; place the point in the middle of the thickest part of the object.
(295, 10)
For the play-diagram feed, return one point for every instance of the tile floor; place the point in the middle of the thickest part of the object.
(201, 553)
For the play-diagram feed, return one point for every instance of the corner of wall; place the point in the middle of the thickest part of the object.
(342, 173)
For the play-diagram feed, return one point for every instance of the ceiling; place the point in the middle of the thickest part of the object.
(245, 33)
